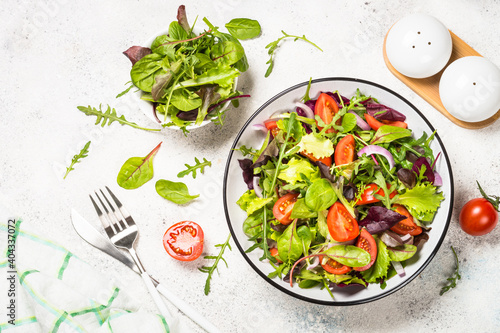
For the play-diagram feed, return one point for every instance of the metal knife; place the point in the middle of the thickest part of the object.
(97, 240)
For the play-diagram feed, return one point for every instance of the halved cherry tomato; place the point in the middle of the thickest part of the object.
(184, 241)
(283, 208)
(367, 243)
(272, 126)
(344, 152)
(274, 253)
(326, 108)
(325, 160)
(407, 226)
(368, 197)
(341, 225)
(375, 124)
(334, 267)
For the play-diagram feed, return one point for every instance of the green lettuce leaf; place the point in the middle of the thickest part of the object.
(379, 269)
(296, 166)
(250, 202)
(319, 147)
(422, 201)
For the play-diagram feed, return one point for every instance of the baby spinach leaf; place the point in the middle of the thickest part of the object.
(348, 255)
(322, 225)
(301, 211)
(185, 100)
(176, 32)
(348, 122)
(401, 253)
(253, 225)
(144, 71)
(137, 171)
(320, 195)
(290, 244)
(306, 238)
(222, 75)
(176, 192)
(243, 28)
(227, 52)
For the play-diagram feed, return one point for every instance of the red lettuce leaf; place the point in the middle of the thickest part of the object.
(429, 174)
(380, 219)
(246, 167)
(136, 53)
(382, 112)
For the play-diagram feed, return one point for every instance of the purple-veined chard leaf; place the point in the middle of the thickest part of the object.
(137, 171)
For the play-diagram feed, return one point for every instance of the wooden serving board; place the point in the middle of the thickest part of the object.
(428, 88)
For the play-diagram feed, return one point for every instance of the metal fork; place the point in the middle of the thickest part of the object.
(123, 233)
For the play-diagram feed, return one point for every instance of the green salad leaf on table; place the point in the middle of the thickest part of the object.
(340, 192)
(189, 77)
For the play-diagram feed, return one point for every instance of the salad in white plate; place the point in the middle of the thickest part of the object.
(340, 192)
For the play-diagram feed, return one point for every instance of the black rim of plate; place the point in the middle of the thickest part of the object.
(333, 302)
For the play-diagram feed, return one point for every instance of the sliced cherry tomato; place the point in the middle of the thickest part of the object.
(376, 124)
(367, 243)
(344, 152)
(396, 123)
(272, 126)
(478, 217)
(274, 253)
(407, 226)
(325, 160)
(184, 241)
(367, 197)
(341, 225)
(283, 208)
(326, 108)
(334, 267)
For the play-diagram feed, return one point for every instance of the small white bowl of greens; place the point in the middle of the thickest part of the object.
(186, 80)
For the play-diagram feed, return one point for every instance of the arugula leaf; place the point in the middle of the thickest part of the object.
(176, 192)
(125, 91)
(243, 28)
(274, 45)
(76, 159)
(422, 201)
(211, 269)
(192, 169)
(137, 171)
(453, 279)
(109, 117)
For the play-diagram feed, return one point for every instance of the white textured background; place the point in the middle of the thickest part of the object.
(59, 54)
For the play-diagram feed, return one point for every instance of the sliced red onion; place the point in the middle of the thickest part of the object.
(399, 268)
(406, 237)
(438, 181)
(360, 122)
(314, 263)
(390, 240)
(256, 187)
(307, 110)
(374, 149)
(259, 127)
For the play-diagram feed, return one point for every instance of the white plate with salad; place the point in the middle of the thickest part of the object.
(348, 183)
